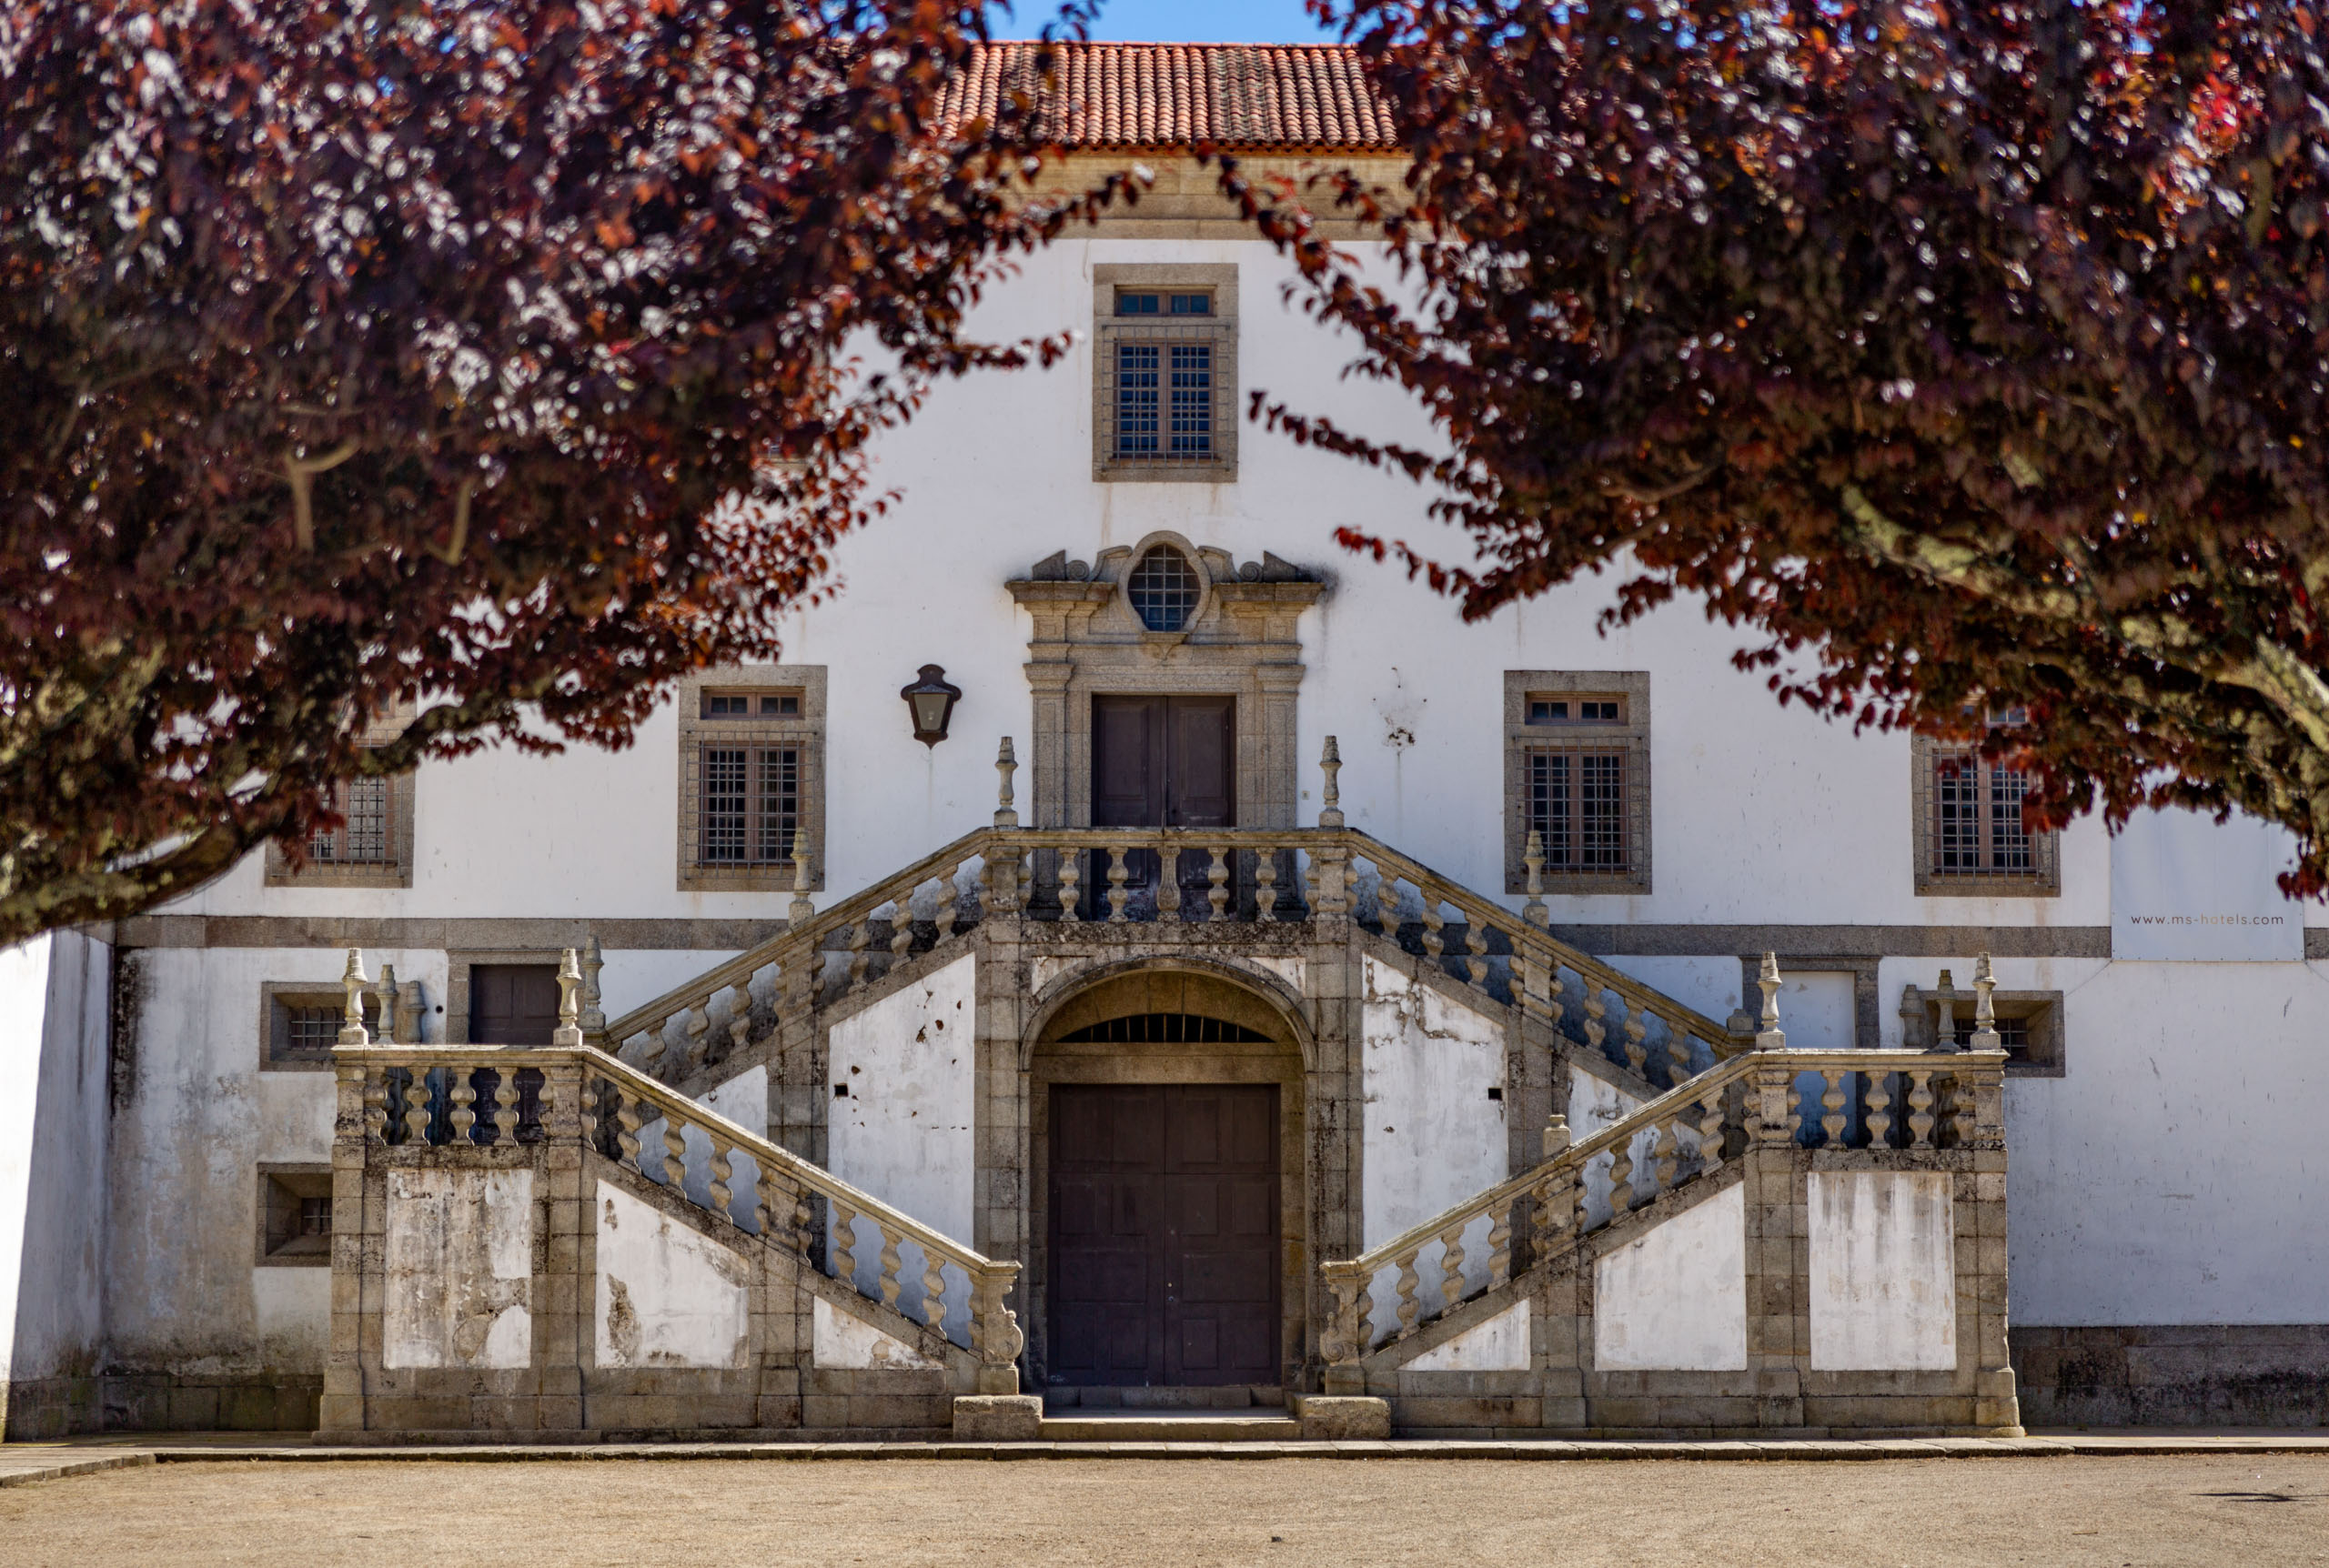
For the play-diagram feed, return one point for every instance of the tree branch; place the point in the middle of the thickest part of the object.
(302, 472)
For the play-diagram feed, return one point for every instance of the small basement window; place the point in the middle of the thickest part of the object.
(295, 1215)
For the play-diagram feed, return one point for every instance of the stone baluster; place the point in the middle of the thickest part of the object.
(773, 1213)
(389, 1017)
(1006, 763)
(1170, 905)
(1637, 1039)
(933, 1288)
(1409, 1280)
(1216, 878)
(627, 1120)
(1266, 885)
(1387, 901)
(843, 1237)
(416, 1107)
(722, 1167)
(1339, 1340)
(860, 937)
(351, 1015)
(1071, 893)
(1554, 1201)
(698, 1033)
(804, 909)
(1500, 1245)
(505, 1104)
(675, 1149)
(464, 1097)
(376, 1104)
(1770, 1109)
(1920, 1110)
(739, 1015)
(1667, 1149)
(901, 924)
(1476, 948)
(1309, 872)
(1962, 1109)
(890, 1236)
(592, 1016)
(1451, 1265)
(1596, 1011)
(1117, 892)
(1330, 799)
(1678, 1051)
(948, 910)
(1770, 1037)
(1435, 935)
(995, 1330)
(1533, 860)
(1831, 1102)
(1878, 1105)
(1710, 1130)
(1621, 1177)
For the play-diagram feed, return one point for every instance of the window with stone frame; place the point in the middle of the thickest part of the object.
(300, 1023)
(1576, 775)
(371, 846)
(2029, 1024)
(1970, 837)
(1165, 384)
(751, 763)
(295, 1215)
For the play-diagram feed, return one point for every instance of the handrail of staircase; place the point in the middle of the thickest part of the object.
(1721, 1037)
(785, 1176)
(793, 948)
(1970, 1117)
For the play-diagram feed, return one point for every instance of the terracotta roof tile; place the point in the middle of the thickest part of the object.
(1247, 97)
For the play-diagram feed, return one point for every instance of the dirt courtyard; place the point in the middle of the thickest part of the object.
(2243, 1511)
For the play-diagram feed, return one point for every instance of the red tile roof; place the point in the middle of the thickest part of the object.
(1253, 97)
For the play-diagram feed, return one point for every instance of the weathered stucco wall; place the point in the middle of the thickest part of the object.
(667, 1295)
(1675, 1299)
(459, 1269)
(1883, 1263)
(904, 1131)
(53, 1014)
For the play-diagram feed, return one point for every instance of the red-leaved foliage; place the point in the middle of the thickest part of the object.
(1975, 353)
(484, 360)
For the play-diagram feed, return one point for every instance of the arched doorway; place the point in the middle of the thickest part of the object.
(1167, 1191)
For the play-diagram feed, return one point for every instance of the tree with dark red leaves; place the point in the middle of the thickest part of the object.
(1974, 353)
(483, 363)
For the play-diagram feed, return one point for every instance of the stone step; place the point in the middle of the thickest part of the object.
(1171, 1426)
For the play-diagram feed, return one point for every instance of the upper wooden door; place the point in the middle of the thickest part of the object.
(1164, 1237)
(1161, 762)
(512, 1004)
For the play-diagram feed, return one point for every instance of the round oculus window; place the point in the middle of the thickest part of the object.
(1164, 589)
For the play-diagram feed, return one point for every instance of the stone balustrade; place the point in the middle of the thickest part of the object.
(414, 1097)
(1877, 1109)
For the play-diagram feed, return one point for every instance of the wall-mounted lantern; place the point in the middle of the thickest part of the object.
(931, 702)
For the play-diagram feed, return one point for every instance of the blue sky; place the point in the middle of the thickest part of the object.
(1179, 21)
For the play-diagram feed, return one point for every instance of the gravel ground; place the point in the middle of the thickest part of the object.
(2246, 1511)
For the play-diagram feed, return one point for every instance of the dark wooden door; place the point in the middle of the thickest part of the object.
(1163, 1250)
(512, 1004)
(1160, 762)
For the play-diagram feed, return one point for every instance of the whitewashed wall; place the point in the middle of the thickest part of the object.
(53, 996)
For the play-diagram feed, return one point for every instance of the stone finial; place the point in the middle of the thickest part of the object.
(1533, 856)
(1005, 764)
(1769, 1036)
(1330, 804)
(803, 907)
(352, 981)
(570, 1006)
(594, 1017)
(1556, 1135)
(388, 1018)
(1985, 1015)
(1944, 1014)
(1912, 1015)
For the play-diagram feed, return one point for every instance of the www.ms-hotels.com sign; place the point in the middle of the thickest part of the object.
(2182, 887)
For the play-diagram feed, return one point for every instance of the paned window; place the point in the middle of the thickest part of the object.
(303, 1023)
(1578, 780)
(1971, 837)
(1166, 376)
(295, 1215)
(372, 845)
(363, 837)
(751, 762)
(1164, 589)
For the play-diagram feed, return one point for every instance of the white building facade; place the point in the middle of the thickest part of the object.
(1139, 593)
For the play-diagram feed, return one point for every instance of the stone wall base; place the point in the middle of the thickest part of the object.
(2201, 1374)
(33, 1409)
